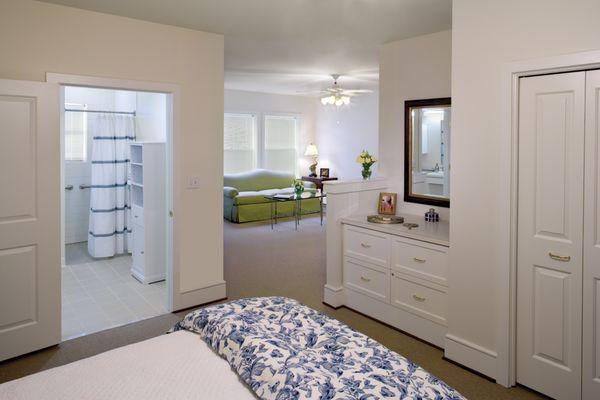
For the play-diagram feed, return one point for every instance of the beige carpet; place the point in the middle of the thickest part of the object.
(282, 262)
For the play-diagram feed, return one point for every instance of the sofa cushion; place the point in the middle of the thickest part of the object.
(251, 198)
(257, 197)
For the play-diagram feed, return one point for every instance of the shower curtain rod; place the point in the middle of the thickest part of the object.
(104, 112)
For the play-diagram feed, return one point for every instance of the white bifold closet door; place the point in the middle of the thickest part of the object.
(550, 234)
(591, 239)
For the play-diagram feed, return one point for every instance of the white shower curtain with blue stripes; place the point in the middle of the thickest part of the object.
(110, 210)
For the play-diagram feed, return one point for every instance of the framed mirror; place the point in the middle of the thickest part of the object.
(427, 151)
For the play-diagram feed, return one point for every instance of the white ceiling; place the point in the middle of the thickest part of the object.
(287, 46)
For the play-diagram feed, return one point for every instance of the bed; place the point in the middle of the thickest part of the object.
(266, 347)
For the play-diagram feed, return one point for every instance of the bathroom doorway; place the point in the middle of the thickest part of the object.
(115, 207)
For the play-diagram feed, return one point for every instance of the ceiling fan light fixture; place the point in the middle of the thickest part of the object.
(337, 100)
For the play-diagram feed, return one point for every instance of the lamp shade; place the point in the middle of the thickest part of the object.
(311, 150)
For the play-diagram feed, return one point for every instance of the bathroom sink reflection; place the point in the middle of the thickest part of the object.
(435, 174)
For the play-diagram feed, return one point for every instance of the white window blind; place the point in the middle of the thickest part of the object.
(280, 142)
(75, 133)
(240, 145)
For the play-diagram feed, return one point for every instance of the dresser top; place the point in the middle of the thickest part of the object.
(432, 232)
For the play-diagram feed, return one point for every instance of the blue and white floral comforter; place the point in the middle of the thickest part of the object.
(284, 350)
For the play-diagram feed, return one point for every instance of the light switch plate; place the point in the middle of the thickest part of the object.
(194, 182)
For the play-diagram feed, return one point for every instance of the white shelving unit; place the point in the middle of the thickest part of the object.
(149, 211)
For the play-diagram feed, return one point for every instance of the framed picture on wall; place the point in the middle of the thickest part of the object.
(387, 203)
(324, 172)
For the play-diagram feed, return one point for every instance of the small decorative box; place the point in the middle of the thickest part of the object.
(432, 216)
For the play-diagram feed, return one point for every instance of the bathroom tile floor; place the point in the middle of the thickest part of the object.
(102, 294)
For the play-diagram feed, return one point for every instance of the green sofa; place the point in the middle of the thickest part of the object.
(244, 195)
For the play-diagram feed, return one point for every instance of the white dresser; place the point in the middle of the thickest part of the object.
(398, 275)
(149, 211)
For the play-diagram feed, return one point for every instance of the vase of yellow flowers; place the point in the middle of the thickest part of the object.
(298, 187)
(366, 160)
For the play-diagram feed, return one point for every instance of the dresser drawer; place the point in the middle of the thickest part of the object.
(425, 300)
(367, 279)
(367, 245)
(137, 213)
(419, 259)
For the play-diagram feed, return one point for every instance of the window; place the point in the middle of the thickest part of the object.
(260, 141)
(75, 133)
(240, 143)
(280, 143)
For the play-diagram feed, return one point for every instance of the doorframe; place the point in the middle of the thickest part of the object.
(173, 92)
(507, 311)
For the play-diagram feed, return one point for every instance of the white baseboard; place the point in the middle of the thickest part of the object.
(147, 279)
(471, 355)
(201, 296)
(333, 296)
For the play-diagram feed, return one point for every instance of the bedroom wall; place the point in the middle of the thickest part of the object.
(486, 35)
(410, 69)
(51, 38)
(151, 117)
(255, 102)
(342, 133)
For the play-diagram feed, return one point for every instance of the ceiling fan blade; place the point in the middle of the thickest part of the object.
(357, 91)
(312, 92)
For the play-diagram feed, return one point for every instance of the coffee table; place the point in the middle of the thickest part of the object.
(297, 199)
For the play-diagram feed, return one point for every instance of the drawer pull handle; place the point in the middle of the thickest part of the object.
(419, 298)
(362, 278)
(419, 260)
(559, 258)
(366, 246)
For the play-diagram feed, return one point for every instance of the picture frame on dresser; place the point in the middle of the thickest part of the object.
(387, 203)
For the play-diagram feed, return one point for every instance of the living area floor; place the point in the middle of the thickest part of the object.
(264, 262)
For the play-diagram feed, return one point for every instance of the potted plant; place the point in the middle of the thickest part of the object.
(366, 160)
(298, 187)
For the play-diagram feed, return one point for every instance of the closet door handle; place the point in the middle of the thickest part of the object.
(419, 298)
(69, 187)
(559, 257)
(362, 278)
(419, 260)
(366, 246)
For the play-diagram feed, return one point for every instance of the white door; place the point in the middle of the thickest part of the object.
(29, 217)
(591, 239)
(550, 230)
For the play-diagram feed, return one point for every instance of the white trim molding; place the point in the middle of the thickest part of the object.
(352, 186)
(474, 356)
(333, 296)
(505, 373)
(176, 299)
(201, 296)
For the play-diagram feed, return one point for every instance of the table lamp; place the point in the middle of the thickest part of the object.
(311, 151)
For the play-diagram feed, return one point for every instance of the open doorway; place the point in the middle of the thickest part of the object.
(115, 164)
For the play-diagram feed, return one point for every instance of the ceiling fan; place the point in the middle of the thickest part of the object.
(338, 96)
